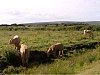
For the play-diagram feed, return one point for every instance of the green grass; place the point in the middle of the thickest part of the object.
(40, 40)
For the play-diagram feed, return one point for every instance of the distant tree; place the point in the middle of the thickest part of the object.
(20, 24)
(14, 24)
(56, 25)
(4, 24)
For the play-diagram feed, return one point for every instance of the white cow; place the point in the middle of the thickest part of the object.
(89, 33)
(23, 49)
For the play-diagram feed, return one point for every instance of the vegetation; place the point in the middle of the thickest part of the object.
(80, 52)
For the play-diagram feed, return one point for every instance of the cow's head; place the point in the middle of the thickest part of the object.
(49, 52)
(14, 41)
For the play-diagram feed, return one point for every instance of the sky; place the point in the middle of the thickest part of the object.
(30, 11)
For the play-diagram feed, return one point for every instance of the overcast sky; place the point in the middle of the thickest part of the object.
(29, 11)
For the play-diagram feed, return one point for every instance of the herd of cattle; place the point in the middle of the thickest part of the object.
(52, 50)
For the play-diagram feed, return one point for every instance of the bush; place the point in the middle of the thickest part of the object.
(3, 63)
(13, 57)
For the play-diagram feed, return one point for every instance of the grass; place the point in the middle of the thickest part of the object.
(40, 40)
(71, 65)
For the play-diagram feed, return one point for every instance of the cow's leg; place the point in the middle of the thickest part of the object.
(59, 53)
(62, 52)
(26, 59)
(23, 59)
(55, 53)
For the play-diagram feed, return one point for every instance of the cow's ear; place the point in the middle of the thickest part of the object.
(10, 40)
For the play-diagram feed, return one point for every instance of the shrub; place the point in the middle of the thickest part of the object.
(3, 63)
(13, 57)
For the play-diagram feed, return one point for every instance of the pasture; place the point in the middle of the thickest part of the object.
(76, 58)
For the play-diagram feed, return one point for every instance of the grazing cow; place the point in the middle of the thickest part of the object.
(88, 32)
(15, 41)
(54, 49)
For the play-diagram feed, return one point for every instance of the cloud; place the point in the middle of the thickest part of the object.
(21, 11)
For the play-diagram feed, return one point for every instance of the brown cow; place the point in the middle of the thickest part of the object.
(54, 49)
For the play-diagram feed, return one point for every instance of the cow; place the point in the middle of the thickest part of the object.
(24, 52)
(89, 33)
(15, 41)
(54, 49)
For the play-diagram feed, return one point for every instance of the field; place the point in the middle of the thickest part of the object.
(81, 53)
